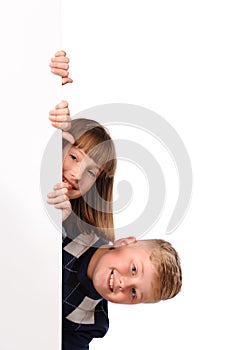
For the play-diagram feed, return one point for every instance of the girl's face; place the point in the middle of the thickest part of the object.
(79, 171)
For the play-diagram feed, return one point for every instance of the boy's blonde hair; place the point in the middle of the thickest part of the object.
(166, 262)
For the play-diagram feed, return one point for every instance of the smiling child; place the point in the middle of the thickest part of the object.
(128, 272)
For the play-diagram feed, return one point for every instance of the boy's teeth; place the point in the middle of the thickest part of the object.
(111, 282)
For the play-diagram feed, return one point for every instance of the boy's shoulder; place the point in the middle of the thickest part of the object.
(81, 302)
(80, 244)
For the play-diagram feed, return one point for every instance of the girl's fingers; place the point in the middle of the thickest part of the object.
(60, 53)
(58, 192)
(60, 59)
(60, 121)
(66, 80)
(60, 111)
(62, 72)
(61, 65)
(62, 104)
(56, 200)
(59, 118)
(63, 126)
(68, 137)
(63, 205)
(61, 185)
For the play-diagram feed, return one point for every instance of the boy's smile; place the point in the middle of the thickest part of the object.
(123, 275)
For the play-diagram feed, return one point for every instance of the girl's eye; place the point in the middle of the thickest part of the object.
(72, 157)
(134, 269)
(92, 173)
(134, 293)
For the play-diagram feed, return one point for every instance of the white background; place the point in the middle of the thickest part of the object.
(172, 57)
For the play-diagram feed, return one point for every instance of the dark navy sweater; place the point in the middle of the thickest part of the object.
(84, 311)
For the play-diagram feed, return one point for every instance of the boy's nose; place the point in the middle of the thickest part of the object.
(124, 283)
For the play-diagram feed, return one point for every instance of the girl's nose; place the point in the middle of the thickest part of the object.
(77, 172)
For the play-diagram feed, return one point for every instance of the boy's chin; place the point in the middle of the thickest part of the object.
(105, 295)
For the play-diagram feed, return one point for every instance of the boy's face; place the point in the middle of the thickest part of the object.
(79, 171)
(124, 275)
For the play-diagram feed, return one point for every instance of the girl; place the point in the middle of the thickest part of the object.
(89, 164)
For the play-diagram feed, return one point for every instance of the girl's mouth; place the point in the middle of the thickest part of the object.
(71, 185)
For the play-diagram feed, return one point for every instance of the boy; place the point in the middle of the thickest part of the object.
(127, 272)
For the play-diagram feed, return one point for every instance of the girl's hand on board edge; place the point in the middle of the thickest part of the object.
(60, 119)
(59, 65)
(60, 199)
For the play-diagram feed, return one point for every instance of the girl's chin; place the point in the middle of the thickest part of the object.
(74, 194)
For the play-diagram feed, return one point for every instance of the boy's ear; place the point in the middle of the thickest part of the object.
(124, 241)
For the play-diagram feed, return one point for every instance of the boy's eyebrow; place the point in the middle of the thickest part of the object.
(142, 273)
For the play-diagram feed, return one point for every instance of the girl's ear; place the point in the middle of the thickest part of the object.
(124, 241)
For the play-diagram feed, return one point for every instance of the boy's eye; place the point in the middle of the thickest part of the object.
(134, 269)
(133, 293)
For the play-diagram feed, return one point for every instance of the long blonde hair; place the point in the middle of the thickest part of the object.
(94, 210)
